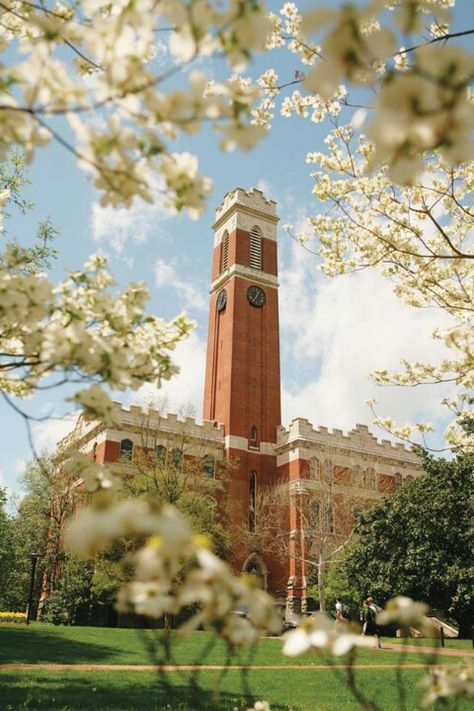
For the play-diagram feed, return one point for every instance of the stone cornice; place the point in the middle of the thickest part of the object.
(253, 275)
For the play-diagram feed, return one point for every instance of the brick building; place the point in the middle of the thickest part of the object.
(327, 475)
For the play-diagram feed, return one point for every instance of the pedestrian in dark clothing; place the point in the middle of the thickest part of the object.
(370, 626)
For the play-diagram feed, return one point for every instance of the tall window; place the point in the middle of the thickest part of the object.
(160, 453)
(126, 449)
(253, 434)
(330, 521)
(225, 251)
(209, 465)
(398, 481)
(94, 452)
(252, 500)
(176, 458)
(314, 514)
(255, 248)
(313, 469)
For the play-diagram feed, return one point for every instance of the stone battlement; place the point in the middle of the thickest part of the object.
(252, 199)
(136, 416)
(133, 417)
(359, 439)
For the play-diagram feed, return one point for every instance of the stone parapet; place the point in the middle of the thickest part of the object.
(133, 418)
(252, 199)
(301, 432)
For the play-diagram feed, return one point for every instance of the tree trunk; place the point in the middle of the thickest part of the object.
(321, 577)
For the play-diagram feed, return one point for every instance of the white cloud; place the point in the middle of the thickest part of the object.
(20, 466)
(192, 297)
(187, 387)
(47, 434)
(334, 332)
(117, 226)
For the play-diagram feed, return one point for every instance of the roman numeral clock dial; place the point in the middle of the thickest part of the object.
(256, 296)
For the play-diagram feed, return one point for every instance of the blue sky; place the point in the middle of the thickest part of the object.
(333, 332)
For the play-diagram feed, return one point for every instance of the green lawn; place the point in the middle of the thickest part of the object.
(295, 689)
(98, 645)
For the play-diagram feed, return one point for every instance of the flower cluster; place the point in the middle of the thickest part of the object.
(320, 633)
(418, 237)
(451, 680)
(422, 95)
(12, 617)
(175, 570)
(93, 57)
(80, 330)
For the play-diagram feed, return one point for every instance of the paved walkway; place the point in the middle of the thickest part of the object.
(187, 667)
(418, 649)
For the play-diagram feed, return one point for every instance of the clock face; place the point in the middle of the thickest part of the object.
(221, 300)
(256, 296)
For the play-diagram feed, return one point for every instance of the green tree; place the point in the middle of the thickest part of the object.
(37, 527)
(6, 547)
(420, 542)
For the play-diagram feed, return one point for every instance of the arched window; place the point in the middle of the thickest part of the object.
(160, 454)
(314, 514)
(253, 434)
(209, 465)
(176, 458)
(126, 449)
(252, 500)
(398, 481)
(313, 469)
(255, 248)
(94, 452)
(225, 251)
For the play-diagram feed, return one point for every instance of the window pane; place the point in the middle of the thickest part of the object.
(126, 448)
(209, 464)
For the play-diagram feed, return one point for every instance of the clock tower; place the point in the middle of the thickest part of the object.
(242, 387)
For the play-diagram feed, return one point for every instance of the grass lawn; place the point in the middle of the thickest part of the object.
(40, 643)
(295, 689)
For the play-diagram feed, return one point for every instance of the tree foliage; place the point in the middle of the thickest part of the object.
(420, 541)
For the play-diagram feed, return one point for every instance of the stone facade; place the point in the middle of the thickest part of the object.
(242, 415)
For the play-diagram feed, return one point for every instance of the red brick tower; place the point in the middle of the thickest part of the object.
(242, 389)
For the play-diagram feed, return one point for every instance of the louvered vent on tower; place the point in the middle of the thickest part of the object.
(225, 252)
(255, 248)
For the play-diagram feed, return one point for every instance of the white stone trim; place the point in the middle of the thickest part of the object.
(242, 443)
(256, 276)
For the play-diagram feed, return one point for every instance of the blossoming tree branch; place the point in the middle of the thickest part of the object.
(394, 185)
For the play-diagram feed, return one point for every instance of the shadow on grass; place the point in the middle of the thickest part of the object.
(29, 645)
(145, 692)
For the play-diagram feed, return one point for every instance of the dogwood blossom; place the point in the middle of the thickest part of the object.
(82, 330)
(418, 237)
(81, 59)
(320, 633)
(422, 97)
(453, 680)
(174, 570)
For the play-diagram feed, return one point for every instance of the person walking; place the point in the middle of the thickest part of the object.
(370, 626)
(342, 612)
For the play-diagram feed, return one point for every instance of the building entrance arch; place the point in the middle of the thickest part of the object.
(254, 565)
